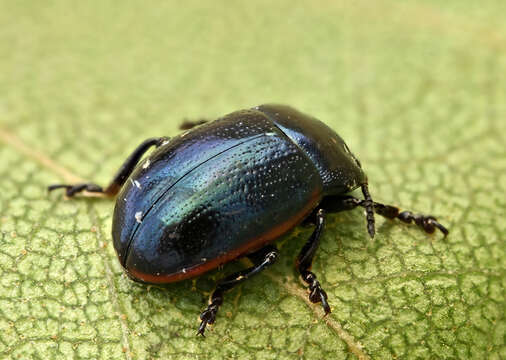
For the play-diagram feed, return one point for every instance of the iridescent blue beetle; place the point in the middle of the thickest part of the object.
(227, 189)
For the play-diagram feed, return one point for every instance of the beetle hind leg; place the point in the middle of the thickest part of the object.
(121, 176)
(261, 259)
(305, 260)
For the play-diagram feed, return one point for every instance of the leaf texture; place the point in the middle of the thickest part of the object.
(417, 89)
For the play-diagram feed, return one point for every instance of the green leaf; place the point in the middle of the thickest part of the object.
(417, 89)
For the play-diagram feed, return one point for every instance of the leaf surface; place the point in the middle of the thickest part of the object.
(417, 89)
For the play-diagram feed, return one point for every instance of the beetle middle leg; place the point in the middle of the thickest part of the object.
(426, 222)
(261, 259)
(305, 260)
(121, 176)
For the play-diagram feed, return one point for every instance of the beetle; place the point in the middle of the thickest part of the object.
(227, 189)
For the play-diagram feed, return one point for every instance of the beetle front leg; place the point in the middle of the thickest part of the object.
(261, 259)
(121, 176)
(305, 260)
(426, 222)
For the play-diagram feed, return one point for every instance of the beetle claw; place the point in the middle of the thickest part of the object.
(441, 228)
(426, 222)
(316, 293)
(202, 328)
(325, 304)
(208, 316)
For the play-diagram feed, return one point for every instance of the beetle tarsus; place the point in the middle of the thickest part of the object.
(202, 329)
(426, 222)
(71, 190)
(121, 176)
(305, 260)
(208, 316)
(316, 293)
(388, 211)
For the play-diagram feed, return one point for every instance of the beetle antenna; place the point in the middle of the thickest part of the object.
(369, 210)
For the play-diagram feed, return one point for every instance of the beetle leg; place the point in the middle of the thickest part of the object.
(121, 176)
(261, 259)
(188, 124)
(426, 222)
(71, 190)
(305, 260)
